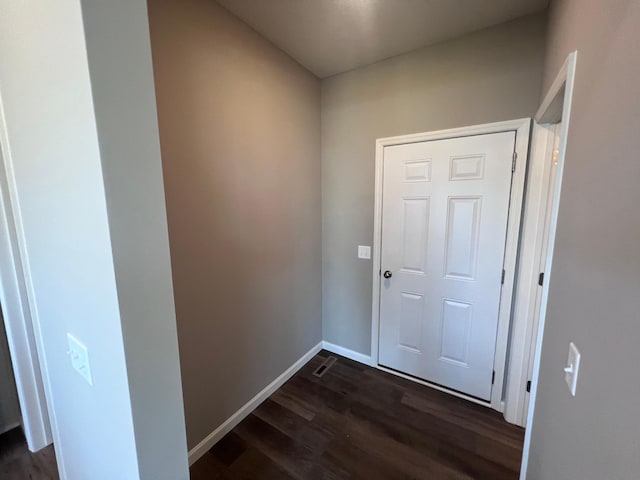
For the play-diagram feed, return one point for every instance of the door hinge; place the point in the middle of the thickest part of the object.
(493, 377)
(502, 279)
(541, 278)
(513, 162)
(380, 272)
(529, 386)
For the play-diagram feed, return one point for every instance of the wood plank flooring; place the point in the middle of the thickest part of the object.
(18, 463)
(356, 422)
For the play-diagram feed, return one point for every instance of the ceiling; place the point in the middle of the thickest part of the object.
(333, 36)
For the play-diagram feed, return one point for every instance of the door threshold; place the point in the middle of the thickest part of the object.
(435, 386)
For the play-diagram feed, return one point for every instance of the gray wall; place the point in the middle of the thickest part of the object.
(595, 281)
(88, 270)
(121, 73)
(46, 95)
(488, 76)
(240, 137)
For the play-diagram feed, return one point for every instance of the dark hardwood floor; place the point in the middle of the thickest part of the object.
(355, 422)
(358, 422)
(18, 463)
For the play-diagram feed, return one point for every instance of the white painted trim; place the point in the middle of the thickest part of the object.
(563, 85)
(347, 353)
(522, 129)
(210, 440)
(20, 328)
(524, 307)
(377, 252)
(510, 262)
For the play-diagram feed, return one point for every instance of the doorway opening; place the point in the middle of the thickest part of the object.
(9, 408)
(553, 118)
(30, 428)
(469, 183)
(527, 259)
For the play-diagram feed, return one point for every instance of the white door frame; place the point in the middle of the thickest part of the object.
(16, 309)
(534, 246)
(523, 322)
(555, 107)
(522, 129)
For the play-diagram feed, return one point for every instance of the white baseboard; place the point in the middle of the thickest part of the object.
(210, 440)
(350, 354)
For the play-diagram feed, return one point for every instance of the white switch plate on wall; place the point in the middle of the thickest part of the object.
(571, 370)
(79, 358)
(364, 252)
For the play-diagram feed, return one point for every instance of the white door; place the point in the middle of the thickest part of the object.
(444, 224)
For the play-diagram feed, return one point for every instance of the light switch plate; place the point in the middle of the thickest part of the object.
(364, 252)
(571, 370)
(79, 358)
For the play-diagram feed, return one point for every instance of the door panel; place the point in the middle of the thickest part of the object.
(411, 313)
(444, 222)
(456, 329)
(415, 234)
(461, 246)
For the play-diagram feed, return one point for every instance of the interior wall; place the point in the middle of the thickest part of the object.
(488, 76)
(78, 134)
(18, 321)
(240, 137)
(594, 283)
(53, 154)
(121, 72)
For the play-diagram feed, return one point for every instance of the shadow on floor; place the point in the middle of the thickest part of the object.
(18, 463)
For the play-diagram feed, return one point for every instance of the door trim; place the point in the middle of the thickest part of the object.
(20, 319)
(555, 107)
(522, 128)
(530, 264)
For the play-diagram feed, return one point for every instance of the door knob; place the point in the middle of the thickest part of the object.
(387, 274)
